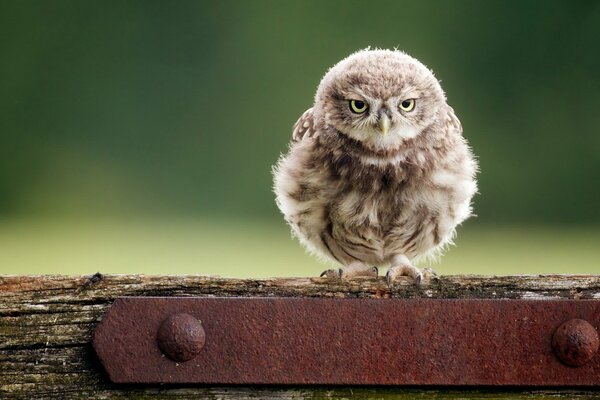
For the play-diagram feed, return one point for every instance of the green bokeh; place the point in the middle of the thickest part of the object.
(176, 110)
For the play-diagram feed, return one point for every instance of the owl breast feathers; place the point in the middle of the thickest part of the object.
(378, 172)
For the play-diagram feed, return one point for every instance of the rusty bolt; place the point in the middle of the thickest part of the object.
(181, 337)
(575, 342)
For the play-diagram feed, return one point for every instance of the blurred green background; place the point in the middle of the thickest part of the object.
(138, 136)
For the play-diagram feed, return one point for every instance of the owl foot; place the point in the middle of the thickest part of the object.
(352, 271)
(331, 273)
(420, 276)
(394, 273)
(401, 266)
(359, 271)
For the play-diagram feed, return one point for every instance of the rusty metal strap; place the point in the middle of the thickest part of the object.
(350, 341)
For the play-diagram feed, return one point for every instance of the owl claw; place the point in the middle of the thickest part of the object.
(393, 273)
(419, 279)
(350, 273)
(331, 273)
(390, 278)
(359, 271)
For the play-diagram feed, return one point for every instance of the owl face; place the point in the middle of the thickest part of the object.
(381, 98)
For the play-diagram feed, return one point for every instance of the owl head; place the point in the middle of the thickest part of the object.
(381, 98)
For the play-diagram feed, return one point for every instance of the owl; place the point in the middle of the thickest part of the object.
(378, 173)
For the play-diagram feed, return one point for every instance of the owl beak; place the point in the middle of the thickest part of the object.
(384, 123)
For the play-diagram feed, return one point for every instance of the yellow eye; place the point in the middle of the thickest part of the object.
(358, 107)
(407, 105)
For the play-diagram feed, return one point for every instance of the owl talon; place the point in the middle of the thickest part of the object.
(419, 279)
(394, 273)
(359, 270)
(331, 273)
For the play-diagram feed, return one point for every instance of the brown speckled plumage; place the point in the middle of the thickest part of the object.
(383, 187)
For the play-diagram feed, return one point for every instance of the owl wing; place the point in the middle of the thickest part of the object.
(452, 121)
(304, 127)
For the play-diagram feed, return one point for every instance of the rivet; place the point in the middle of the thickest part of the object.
(575, 342)
(181, 337)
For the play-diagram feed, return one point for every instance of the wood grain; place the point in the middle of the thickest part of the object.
(46, 324)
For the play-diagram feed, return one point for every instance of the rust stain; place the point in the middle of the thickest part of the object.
(348, 341)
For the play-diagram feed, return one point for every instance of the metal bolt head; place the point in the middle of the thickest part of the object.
(181, 337)
(575, 342)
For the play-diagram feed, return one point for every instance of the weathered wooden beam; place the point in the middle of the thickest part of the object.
(46, 323)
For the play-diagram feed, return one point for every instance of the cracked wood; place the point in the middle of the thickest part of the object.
(46, 324)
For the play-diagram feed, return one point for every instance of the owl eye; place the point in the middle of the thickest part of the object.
(407, 105)
(358, 107)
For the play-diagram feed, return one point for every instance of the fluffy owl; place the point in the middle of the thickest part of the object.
(377, 173)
